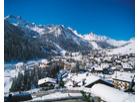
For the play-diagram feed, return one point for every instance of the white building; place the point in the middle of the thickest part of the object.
(47, 80)
(122, 80)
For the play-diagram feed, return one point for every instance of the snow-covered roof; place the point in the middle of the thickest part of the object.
(124, 76)
(86, 77)
(111, 94)
(46, 80)
(91, 79)
(126, 65)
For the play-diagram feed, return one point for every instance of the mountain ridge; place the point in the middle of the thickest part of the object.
(58, 39)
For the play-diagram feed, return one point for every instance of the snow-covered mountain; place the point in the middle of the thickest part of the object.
(41, 30)
(59, 39)
(100, 41)
(50, 38)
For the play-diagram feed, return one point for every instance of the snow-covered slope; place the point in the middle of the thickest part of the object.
(100, 41)
(126, 49)
(110, 94)
(10, 73)
(7, 84)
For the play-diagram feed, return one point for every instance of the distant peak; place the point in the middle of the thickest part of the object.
(18, 20)
(132, 39)
(13, 17)
(93, 36)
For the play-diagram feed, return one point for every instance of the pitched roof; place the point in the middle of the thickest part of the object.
(123, 76)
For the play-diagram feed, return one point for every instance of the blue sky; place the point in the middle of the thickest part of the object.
(114, 18)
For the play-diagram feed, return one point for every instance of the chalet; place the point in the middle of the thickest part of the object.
(123, 80)
(44, 82)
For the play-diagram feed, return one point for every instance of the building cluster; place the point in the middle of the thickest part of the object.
(91, 70)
